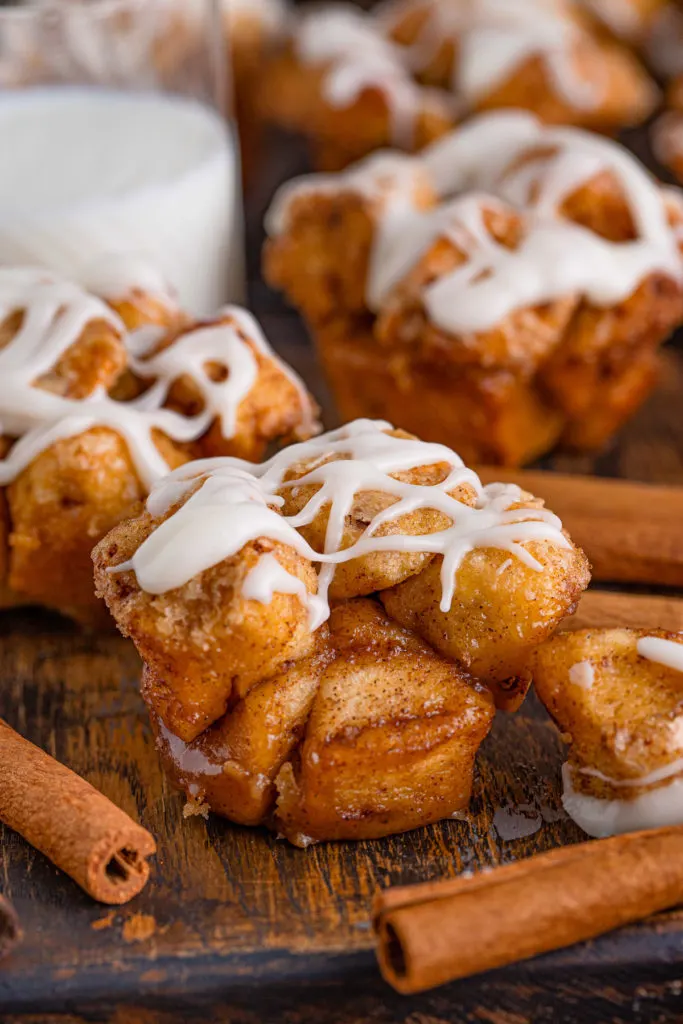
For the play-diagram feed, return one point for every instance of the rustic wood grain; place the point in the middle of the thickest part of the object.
(236, 926)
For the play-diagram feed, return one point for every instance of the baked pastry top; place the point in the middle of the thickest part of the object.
(531, 271)
(406, 72)
(364, 590)
(92, 413)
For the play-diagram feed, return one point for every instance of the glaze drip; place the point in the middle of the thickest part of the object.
(233, 502)
(494, 39)
(518, 166)
(55, 313)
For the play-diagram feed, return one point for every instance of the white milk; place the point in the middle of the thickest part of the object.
(88, 173)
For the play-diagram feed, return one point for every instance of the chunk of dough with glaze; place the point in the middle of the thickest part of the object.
(205, 643)
(379, 569)
(621, 713)
(501, 610)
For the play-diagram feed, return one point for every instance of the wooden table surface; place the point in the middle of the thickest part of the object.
(237, 926)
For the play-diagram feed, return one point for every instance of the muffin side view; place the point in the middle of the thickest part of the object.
(510, 289)
(312, 659)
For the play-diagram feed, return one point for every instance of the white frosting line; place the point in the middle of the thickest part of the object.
(359, 58)
(236, 503)
(582, 674)
(599, 818)
(555, 258)
(55, 315)
(495, 39)
(664, 652)
(268, 577)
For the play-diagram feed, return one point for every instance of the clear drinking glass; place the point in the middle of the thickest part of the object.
(118, 140)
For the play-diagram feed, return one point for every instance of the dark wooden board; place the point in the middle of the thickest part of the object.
(237, 926)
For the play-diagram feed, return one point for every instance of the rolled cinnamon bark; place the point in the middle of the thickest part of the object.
(73, 824)
(10, 931)
(439, 932)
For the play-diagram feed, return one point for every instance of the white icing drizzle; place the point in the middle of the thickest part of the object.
(268, 577)
(236, 502)
(358, 58)
(55, 314)
(555, 258)
(495, 39)
(664, 652)
(602, 817)
(582, 674)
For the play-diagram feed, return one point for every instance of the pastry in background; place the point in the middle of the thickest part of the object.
(281, 690)
(92, 415)
(346, 88)
(400, 76)
(502, 292)
(633, 21)
(616, 698)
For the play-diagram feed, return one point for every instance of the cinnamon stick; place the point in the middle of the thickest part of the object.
(630, 531)
(10, 931)
(439, 932)
(73, 824)
(607, 609)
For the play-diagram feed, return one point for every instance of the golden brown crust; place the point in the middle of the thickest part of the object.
(626, 723)
(77, 489)
(364, 728)
(380, 569)
(292, 94)
(391, 740)
(501, 610)
(565, 371)
(303, 261)
(204, 642)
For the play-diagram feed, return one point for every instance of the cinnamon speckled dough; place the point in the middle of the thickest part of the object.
(271, 410)
(205, 644)
(380, 569)
(517, 344)
(292, 94)
(78, 488)
(231, 766)
(303, 259)
(501, 610)
(391, 740)
(75, 490)
(627, 721)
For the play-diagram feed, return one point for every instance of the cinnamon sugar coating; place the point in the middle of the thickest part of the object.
(403, 75)
(61, 494)
(367, 724)
(620, 712)
(502, 214)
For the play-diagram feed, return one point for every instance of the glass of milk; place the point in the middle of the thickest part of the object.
(118, 149)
